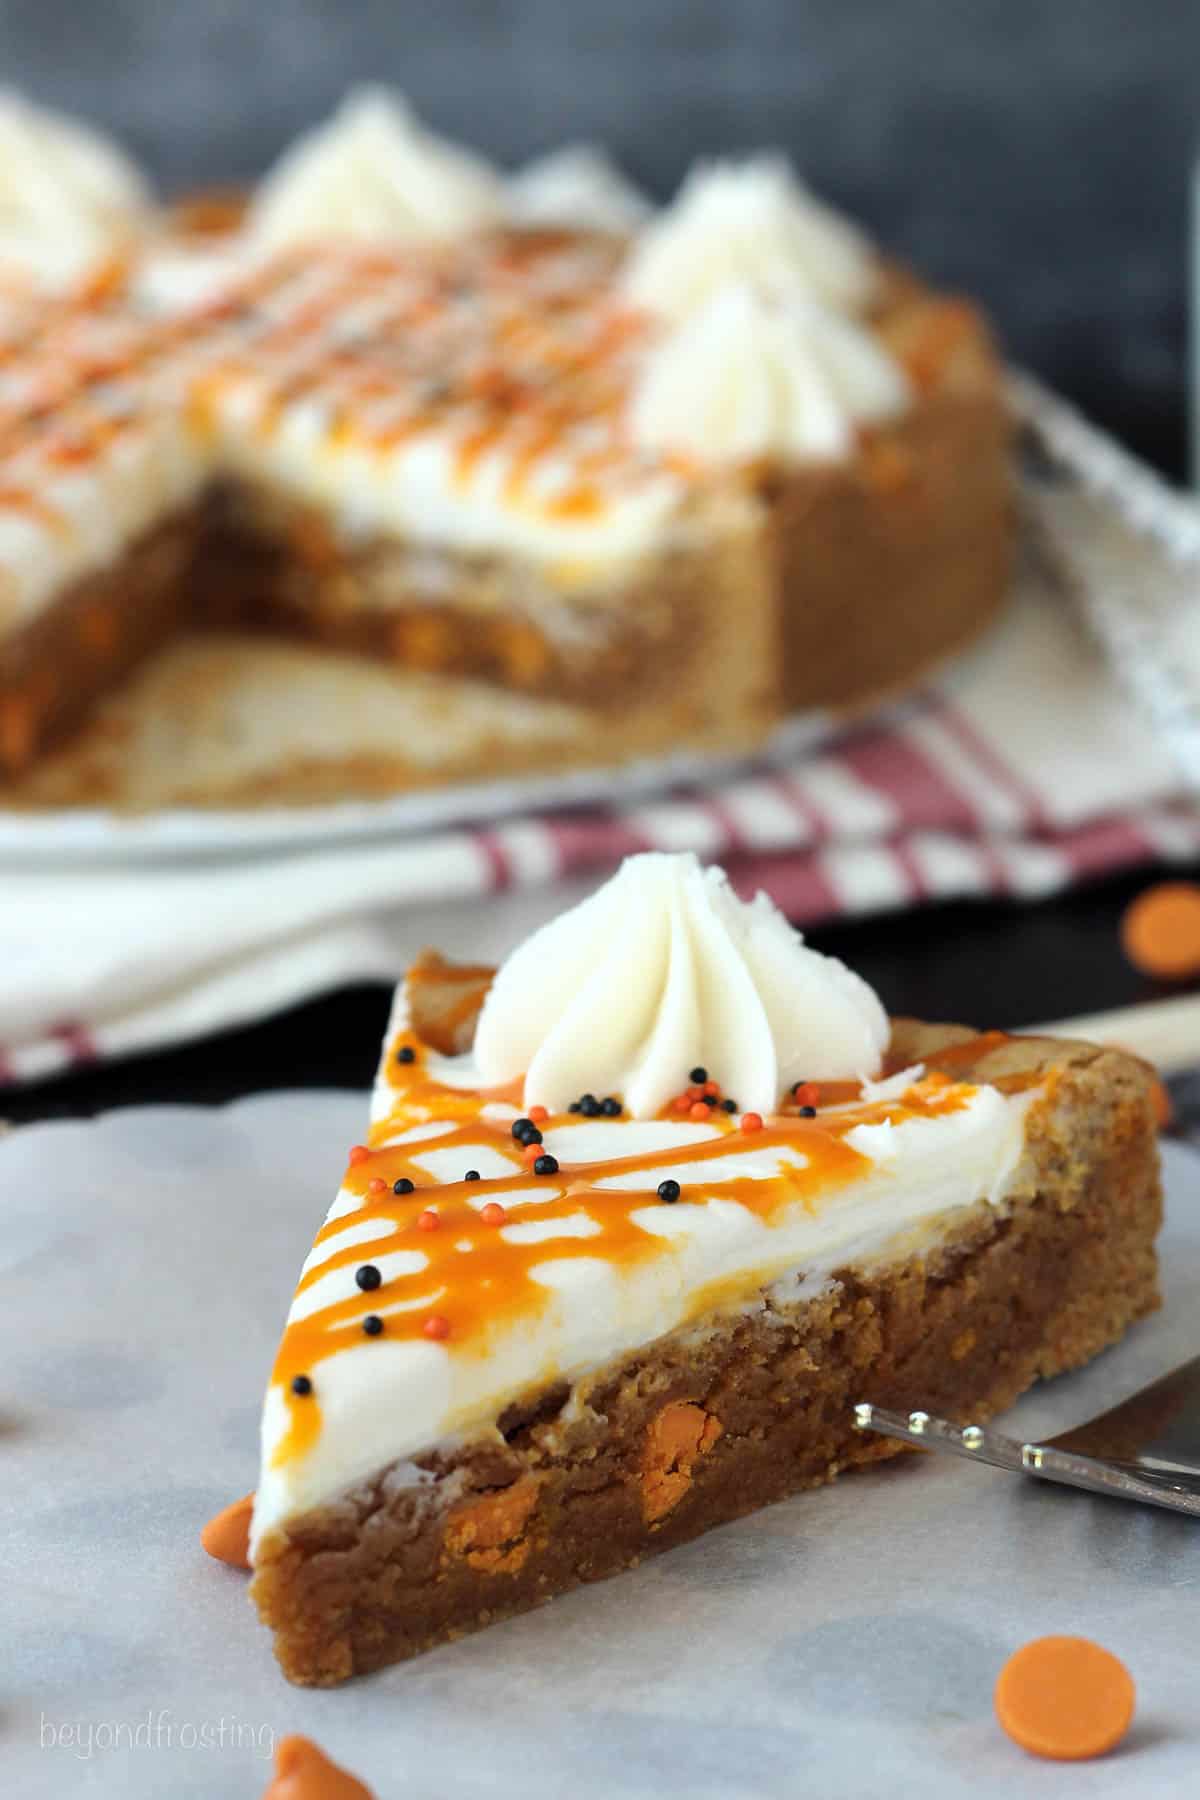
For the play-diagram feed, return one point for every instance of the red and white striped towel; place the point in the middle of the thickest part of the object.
(1023, 771)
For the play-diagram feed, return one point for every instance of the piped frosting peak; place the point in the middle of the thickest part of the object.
(373, 171)
(662, 969)
(68, 195)
(746, 376)
(755, 222)
(578, 187)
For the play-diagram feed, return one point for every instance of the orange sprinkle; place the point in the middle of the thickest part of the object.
(436, 1326)
(750, 1121)
(377, 1185)
(530, 1153)
(358, 1154)
(711, 1087)
(227, 1537)
(699, 1111)
(493, 1213)
(807, 1093)
(1065, 1698)
(1160, 932)
(428, 1220)
(681, 1102)
(697, 1090)
(538, 1114)
(304, 1772)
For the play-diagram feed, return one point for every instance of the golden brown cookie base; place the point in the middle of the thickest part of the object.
(219, 719)
(736, 1411)
(102, 627)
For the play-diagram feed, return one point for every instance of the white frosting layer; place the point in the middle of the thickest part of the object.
(68, 195)
(373, 171)
(384, 1399)
(664, 968)
(137, 481)
(752, 222)
(579, 187)
(417, 489)
(174, 276)
(745, 377)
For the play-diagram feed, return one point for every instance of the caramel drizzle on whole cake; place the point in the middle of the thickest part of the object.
(509, 345)
(522, 350)
(474, 1280)
(77, 375)
(513, 344)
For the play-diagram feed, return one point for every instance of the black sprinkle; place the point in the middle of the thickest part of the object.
(576, 1106)
(372, 1324)
(301, 1385)
(520, 1127)
(546, 1165)
(668, 1190)
(589, 1106)
(708, 1099)
(698, 1074)
(611, 1108)
(406, 1054)
(368, 1277)
(808, 1112)
(471, 1175)
(403, 1186)
(729, 1105)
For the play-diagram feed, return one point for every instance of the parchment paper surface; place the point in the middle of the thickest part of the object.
(841, 1645)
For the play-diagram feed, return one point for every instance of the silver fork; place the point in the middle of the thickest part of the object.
(1147, 1448)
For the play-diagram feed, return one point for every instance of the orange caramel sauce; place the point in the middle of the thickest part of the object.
(480, 1282)
(518, 363)
(24, 500)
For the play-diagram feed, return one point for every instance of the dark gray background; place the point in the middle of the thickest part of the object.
(1033, 151)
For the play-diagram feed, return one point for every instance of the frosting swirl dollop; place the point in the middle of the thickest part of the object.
(68, 195)
(744, 377)
(664, 967)
(374, 171)
(579, 187)
(751, 221)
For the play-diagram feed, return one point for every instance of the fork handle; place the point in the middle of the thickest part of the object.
(977, 1444)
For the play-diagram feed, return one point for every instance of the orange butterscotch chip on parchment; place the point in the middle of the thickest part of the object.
(678, 1436)
(1160, 1100)
(490, 1532)
(304, 1772)
(1160, 931)
(227, 1536)
(1065, 1698)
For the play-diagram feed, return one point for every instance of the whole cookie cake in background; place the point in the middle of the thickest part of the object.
(412, 472)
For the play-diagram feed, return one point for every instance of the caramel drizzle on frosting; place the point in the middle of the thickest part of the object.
(77, 375)
(520, 349)
(479, 1279)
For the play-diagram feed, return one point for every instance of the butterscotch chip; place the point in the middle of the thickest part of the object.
(1065, 1698)
(490, 1533)
(227, 1536)
(678, 1436)
(304, 1772)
